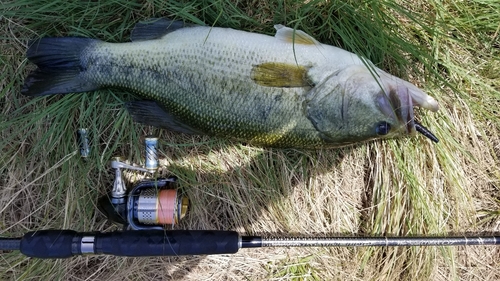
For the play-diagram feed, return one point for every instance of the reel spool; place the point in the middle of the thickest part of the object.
(153, 203)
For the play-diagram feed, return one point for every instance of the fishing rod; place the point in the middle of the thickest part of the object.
(67, 243)
(154, 202)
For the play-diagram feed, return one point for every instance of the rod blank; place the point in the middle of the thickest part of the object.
(10, 244)
(378, 241)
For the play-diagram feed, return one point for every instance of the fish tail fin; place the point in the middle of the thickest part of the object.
(60, 69)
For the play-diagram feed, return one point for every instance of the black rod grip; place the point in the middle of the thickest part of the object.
(48, 244)
(67, 243)
(167, 243)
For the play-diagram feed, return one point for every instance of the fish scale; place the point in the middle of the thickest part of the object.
(175, 91)
(282, 91)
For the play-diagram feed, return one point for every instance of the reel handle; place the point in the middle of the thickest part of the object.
(119, 188)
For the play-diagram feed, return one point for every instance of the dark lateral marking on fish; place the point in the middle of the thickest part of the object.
(343, 105)
(266, 108)
(277, 74)
(423, 130)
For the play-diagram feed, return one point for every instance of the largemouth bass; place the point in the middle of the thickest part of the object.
(283, 91)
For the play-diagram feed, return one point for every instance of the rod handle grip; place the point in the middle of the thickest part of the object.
(167, 243)
(67, 243)
(47, 244)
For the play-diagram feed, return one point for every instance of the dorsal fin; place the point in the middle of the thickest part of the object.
(290, 35)
(155, 28)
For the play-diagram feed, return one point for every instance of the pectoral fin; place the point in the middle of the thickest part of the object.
(150, 113)
(290, 35)
(275, 74)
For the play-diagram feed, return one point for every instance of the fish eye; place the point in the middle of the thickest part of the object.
(383, 128)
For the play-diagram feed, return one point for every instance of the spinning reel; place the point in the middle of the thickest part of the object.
(151, 203)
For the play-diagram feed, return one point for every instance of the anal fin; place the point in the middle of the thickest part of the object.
(150, 113)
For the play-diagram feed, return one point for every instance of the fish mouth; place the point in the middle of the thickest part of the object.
(403, 95)
(405, 101)
(419, 98)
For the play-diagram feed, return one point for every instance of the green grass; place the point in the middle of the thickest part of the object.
(397, 187)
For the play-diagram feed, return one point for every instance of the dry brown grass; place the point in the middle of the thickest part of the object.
(397, 187)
